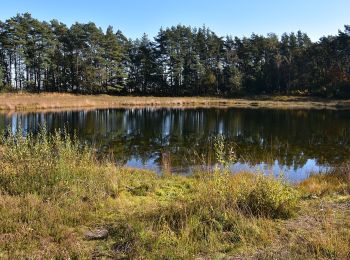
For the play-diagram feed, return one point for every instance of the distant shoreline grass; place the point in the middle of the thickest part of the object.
(58, 201)
(57, 101)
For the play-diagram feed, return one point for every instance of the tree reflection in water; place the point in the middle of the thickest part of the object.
(295, 142)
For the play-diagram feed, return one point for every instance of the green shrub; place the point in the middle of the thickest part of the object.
(267, 197)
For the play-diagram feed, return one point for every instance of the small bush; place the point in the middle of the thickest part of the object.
(267, 197)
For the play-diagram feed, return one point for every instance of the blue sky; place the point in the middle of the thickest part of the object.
(233, 17)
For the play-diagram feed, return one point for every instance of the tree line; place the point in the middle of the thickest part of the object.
(180, 60)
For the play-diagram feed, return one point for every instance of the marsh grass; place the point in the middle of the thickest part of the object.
(50, 184)
(53, 189)
(63, 101)
(335, 182)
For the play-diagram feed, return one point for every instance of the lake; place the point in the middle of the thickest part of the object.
(296, 143)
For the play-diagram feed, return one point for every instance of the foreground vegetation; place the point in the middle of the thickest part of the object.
(180, 61)
(57, 200)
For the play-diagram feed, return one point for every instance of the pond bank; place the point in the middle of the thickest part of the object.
(58, 201)
(56, 101)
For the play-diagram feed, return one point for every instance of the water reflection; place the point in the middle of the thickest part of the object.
(296, 142)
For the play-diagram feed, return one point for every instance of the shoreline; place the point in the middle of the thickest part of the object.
(58, 195)
(63, 102)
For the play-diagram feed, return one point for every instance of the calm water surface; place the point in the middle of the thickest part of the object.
(295, 142)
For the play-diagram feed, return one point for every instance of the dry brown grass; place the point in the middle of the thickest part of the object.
(321, 231)
(56, 101)
(337, 181)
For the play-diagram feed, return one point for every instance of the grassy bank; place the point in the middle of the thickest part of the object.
(32, 102)
(58, 201)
